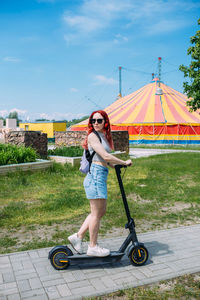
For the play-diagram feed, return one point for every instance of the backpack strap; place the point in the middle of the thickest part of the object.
(90, 157)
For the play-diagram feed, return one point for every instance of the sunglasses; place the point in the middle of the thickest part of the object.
(99, 121)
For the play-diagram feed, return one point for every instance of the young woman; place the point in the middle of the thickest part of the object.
(95, 183)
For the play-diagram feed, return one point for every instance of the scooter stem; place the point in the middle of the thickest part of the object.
(118, 173)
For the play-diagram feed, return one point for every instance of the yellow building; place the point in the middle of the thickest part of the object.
(46, 127)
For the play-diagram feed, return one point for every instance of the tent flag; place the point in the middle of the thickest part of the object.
(154, 116)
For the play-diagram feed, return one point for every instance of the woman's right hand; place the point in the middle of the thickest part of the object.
(128, 162)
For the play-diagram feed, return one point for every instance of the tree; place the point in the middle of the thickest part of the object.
(13, 115)
(42, 120)
(192, 89)
(75, 121)
(4, 121)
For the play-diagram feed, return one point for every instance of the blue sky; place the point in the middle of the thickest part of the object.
(59, 59)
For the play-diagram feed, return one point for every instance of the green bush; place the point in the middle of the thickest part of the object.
(67, 151)
(12, 154)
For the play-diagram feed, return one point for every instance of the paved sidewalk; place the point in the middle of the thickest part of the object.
(29, 275)
(145, 152)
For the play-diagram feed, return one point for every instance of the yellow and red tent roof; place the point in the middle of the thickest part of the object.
(145, 106)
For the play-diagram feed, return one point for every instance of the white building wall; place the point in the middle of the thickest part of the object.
(1, 124)
(11, 124)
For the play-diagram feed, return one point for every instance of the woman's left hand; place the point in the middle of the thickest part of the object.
(128, 162)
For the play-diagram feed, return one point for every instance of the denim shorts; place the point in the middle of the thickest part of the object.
(95, 183)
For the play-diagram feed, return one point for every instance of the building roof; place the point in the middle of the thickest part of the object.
(38, 122)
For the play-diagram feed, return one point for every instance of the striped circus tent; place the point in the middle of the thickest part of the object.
(154, 114)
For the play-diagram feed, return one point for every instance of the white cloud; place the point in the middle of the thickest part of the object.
(83, 23)
(3, 113)
(104, 7)
(29, 116)
(165, 26)
(73, 90)
(93, 16)
(11, 59)
(100, 79)
(59, 116)
(19, 111)
(120, 39)
(70, 38)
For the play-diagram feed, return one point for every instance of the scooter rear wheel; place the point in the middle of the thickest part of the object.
(138, 256)
(59, 258)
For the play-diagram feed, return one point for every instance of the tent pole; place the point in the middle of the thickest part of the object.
(159, 70)
(120, 83)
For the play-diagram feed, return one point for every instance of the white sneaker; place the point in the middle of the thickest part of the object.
(76, 242)
(97, 251)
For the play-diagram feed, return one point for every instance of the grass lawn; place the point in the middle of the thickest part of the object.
(184, 287)
(42, 208)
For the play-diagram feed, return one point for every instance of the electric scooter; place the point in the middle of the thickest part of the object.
(62, 256)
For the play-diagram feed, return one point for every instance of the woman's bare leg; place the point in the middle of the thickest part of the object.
(98, 209)
(84, 227)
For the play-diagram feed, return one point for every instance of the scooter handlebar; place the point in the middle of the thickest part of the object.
(120, 166)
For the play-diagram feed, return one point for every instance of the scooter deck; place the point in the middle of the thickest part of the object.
(83, 258)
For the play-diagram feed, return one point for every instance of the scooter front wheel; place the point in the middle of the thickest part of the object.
(138, 255)
(59, 258)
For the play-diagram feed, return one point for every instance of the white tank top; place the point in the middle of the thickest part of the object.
(106, 146)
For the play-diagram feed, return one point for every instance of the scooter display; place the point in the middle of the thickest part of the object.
(61, 257)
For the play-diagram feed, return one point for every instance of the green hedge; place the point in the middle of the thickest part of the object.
(12, 154)
(72, 151)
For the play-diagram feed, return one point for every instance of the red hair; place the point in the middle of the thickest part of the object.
(107, 128)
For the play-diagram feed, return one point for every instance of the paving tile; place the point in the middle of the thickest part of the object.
(120, 275)
(53, 282)
(137, 273)
(83, 290)
(33, 254)
(35, 283)
(43, 253)
(52, 292)
(64, 290)
(69, 277)
(97, 283)
(23, 285)
(19, 257)
(108, 282)
(14, 297)
(95, 274)
(32, 293)
(24, 272)
(8, 277)
(40, 297)
(26, 276)
(17, 266)
(4, 260)
(5, 268)
(8, 289)
(42, 272)
(79, 275)
(51, 277)
(78, 284)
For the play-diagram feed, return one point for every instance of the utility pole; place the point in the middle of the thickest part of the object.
(120, 83)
